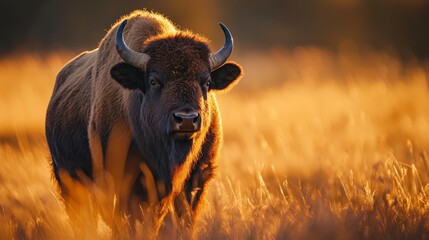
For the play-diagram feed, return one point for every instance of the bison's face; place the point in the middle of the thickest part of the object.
(177, 83)
(176, 74)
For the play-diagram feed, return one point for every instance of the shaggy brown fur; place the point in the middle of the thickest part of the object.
(107, 116)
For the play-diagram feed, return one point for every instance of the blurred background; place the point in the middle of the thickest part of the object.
(401, 26)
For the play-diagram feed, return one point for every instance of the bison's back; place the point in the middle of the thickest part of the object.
(68, 114)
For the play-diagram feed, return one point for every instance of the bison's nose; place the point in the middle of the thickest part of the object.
(186, 121)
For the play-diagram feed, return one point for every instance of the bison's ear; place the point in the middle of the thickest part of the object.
(128, 76)
(225, 77)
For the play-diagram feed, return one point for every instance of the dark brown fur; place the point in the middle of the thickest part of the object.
(105, 115)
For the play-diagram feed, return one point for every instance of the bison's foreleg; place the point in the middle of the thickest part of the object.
(199, 179)
(96, 156)
(183, 209)
(118, 145)
(188, 203)
(109, 168)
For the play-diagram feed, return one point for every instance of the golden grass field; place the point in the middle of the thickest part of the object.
(318, 145)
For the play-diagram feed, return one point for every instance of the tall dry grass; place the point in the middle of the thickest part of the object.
(317, 146)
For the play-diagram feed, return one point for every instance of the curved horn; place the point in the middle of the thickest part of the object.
(136, 59)
(218, 58)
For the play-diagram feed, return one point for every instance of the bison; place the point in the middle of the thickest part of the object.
(142, 108)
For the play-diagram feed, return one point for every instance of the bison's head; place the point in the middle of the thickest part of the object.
(176, 75)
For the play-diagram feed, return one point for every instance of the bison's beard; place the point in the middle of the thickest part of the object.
(169, 159)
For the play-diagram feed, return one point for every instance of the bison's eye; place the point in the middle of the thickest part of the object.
(208, 84)
(155, 82)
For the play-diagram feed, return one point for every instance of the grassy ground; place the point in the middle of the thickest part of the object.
(317, 146)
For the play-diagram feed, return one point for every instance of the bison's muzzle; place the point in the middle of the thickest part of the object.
(185, 123)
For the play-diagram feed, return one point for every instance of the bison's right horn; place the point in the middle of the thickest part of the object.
(136, 59)
(218, 58)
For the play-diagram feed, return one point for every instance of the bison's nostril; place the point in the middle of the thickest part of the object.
(196, 119)
(178, 119)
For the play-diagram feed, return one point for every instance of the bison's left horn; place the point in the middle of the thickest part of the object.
(136, 59)
(218, 58)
